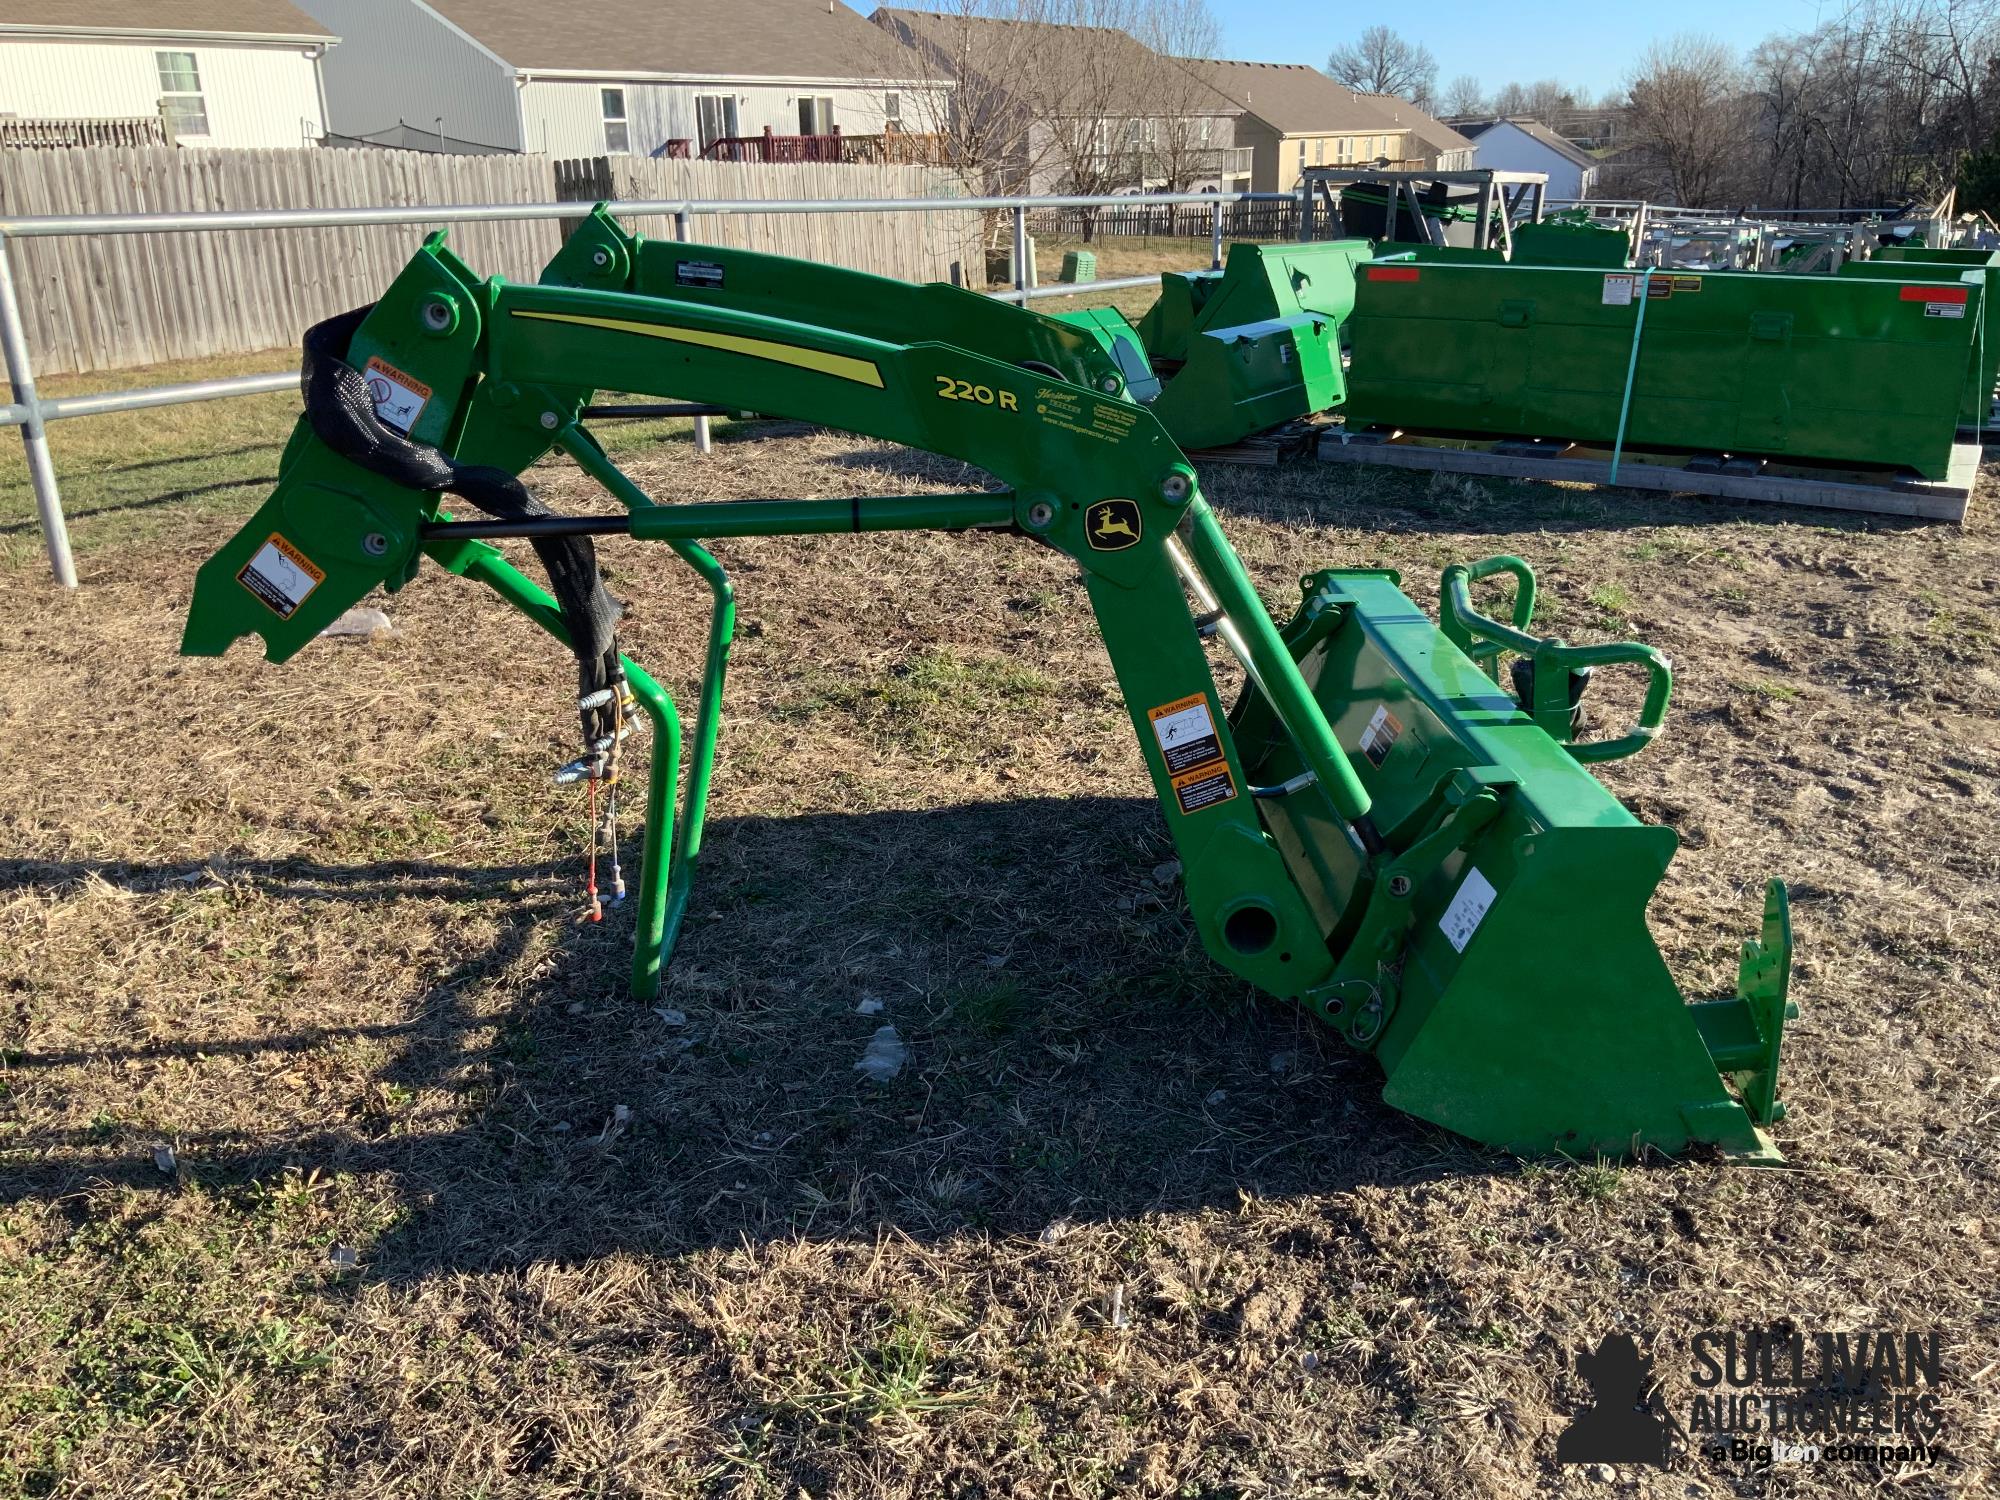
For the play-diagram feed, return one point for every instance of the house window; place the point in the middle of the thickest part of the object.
(181, 104)
(1302, 156)
(1346, 145)
(617, 139)
(714, 117)
(892, 111)
(1319, 153)
(816, 116)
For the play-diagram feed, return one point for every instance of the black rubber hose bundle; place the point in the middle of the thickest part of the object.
(343, 416)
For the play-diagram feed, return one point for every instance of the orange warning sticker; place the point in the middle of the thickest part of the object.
(399, 399)
(281, 575)
(1204, 787)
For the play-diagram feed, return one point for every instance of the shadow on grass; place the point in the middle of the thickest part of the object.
(146, 502)
(1073, 1054)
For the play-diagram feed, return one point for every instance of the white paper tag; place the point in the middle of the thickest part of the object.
(1618, 291)
(1467, 910)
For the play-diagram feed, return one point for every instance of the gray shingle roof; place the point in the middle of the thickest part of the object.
(994, 47)
(1292, 98)
(155, 17)
(1425, 127)
(704, 38)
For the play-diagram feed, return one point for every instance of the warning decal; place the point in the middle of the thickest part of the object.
(1944, 309)
(1204, 787)
(281, 576)
(1192, 751)
(399, 399)
(1186, 733)
(1467, 910)
(1618, 291)
(1380, 735)
(1687, 283)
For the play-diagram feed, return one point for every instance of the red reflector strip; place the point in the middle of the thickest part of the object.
(1392, 273)
(1934, 294)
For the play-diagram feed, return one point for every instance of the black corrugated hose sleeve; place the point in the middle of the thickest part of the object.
(343, 416)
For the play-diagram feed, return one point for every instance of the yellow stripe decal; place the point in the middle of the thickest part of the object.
(842, 366)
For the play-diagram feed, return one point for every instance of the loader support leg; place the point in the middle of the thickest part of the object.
(667, 865)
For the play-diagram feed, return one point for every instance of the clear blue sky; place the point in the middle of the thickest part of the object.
(1587, 44)
(1584, 43)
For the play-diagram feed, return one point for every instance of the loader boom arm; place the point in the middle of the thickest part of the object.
(1089, 474)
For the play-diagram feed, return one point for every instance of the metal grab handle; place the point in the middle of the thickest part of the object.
(1484, 639)
(1652, 713)
(1480, 636)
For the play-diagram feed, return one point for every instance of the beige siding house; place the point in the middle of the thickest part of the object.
(1436, 145)
(199, 72)
(1296, 117)
(1075, 109)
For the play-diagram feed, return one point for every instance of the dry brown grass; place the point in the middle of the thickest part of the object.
(1120, 1227)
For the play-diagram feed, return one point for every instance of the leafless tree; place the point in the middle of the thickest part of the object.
(1687, 108)
(1464, 95)
(1381, 62)
(968, 61)
(1187, 134)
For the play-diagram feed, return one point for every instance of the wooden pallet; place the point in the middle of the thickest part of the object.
(1880, 491)
(1264, 448)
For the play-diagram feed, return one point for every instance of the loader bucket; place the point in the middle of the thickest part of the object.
(1531, 1009)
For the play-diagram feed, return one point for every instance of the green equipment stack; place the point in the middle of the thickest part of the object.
(1246, 348)
(1843, 370)
(1915, 264)
(1379, 830)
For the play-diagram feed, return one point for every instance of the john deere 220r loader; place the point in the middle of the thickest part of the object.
(1378, 829)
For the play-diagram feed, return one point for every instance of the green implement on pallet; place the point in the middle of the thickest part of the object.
(1378, 830)
(1246, 348)
(1823, 368)
(1917, 264)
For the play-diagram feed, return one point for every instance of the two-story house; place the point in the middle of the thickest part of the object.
(1044, 108)
(1293, 117)
(778, 79)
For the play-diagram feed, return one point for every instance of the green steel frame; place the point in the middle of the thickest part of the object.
(1375, 830)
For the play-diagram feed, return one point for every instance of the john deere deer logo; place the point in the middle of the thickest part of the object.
(1112, 525)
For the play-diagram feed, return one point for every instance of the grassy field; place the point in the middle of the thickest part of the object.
(333, 1161)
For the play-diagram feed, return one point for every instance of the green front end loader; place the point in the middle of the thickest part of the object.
(1395, 824)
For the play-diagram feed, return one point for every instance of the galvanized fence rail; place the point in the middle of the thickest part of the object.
(32, 414)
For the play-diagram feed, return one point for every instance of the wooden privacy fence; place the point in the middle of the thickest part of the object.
(105, 302)
(912, 246)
